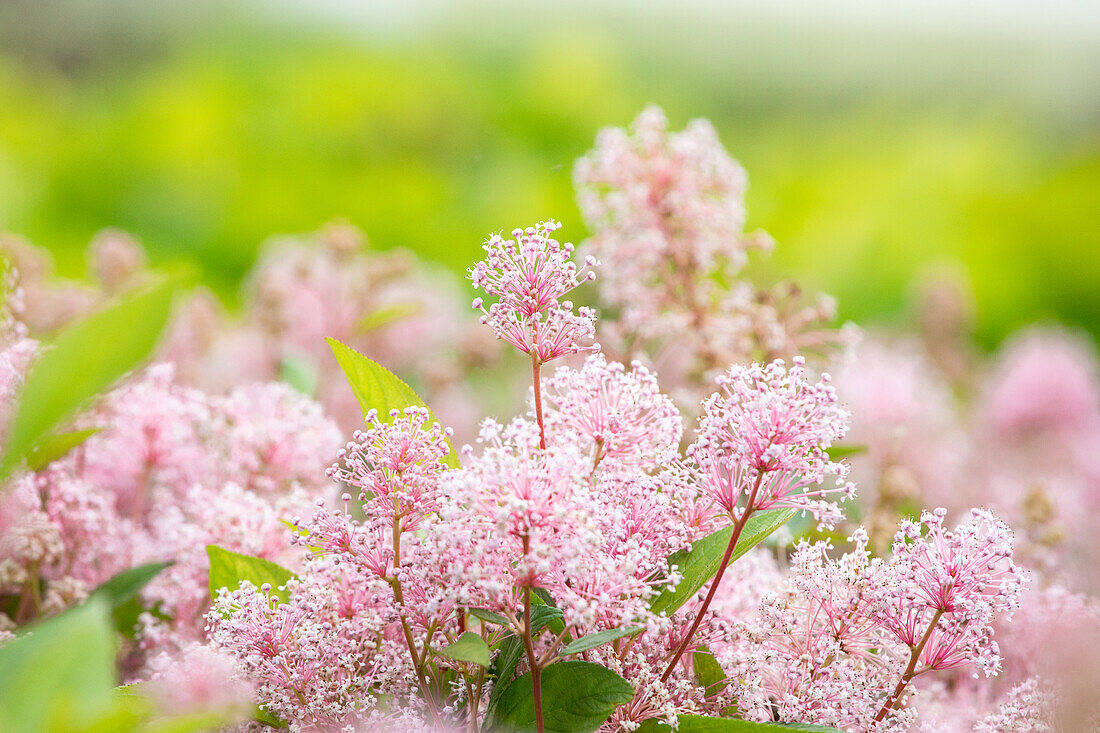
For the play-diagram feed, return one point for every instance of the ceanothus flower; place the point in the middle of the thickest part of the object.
(530, 275)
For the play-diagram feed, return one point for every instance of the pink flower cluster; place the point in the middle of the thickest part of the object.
(762, 443)
(579, 504)
(843, 643)
(1022, 439)
(169, 471)
(666, 211)
(530, 275)
(302, 289)
(440, 580)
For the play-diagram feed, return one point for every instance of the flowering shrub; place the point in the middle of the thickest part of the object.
(606, 560)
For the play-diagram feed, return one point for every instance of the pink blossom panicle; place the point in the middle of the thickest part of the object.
(958, 581)
(763, 443)
(621, 413)
(530, 275)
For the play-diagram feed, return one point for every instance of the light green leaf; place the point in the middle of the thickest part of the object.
(120, 593)
(51, 447)
(703, 724)
(300, 373)
(377, 388)
(60, 673)
(125, 585)
(486, 615)
(591, 641)
(468, 648)
(700, 563)
(837, 452)
(228, 569)
(577, 697)
(262, 716)
(708, 672)
(388, 314)
(82, 362)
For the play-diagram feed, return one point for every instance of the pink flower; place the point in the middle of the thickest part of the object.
(814, 649)
(1028, 708)
(530, 275)
(1046, 382)
(396, 466)
(621, 414)
(948, 587)
(763, 440)
(199, 679)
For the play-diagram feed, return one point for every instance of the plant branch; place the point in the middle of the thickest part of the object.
(536, 369)
(532, 661)
(910, 671)
(734, 537)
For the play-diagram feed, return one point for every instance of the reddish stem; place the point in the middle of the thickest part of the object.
(910, 671)
(532, 661)
(736, 535)
(536, 368)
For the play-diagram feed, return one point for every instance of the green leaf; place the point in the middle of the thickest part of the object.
(837, 452)
(542, 615)
(120, 593)
(708, 672)
(299, 373)
(84, 360)
(577, 697)
(703, 724)
(591, 641)
(228, 569)
(511, 649)
(542, 596)
(376, 387)
(60, 673)
(51, 447)
(126, 585)
(491, 616)
(700, 563)
(468, 648)
(262, 716)
(388, 314)
(546, 616)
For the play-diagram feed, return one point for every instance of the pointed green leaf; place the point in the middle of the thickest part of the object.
(708, 672)
(700, 563)
(502, 669)
(263, 716)
(228, 569)
(838, 452)
(376, 387)
(591, 641)
(577, 697)
(60, 673)
(120, 593)
(541, 599)
(468, 648)
(86, 359)
(51, 447)
(123, 586)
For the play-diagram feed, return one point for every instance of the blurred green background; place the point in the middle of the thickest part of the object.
(882, 140)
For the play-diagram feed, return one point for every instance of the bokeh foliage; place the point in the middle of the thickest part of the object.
(207, 138)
